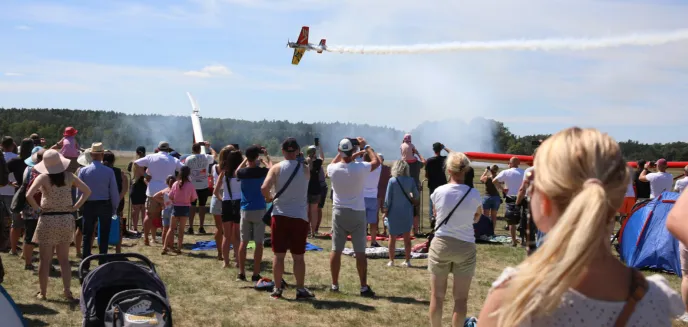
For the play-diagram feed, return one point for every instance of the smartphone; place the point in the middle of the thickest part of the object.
(317, 141)
(236, 146)
(354, 142)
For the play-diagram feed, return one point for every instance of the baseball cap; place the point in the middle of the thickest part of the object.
(290, 145)
(662, 162)
(141, 150)
(381, 156)
(163, 146)
(346, 147)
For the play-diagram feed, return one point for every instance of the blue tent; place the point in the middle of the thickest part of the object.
(9, 313)
(645, 242)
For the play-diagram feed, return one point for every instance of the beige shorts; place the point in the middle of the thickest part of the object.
(683, 254)
(450, 255)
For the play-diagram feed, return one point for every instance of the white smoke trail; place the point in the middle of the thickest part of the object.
(645, 39)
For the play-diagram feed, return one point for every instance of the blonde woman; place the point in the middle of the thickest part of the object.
(574, 279)
(457, 207)
(402, 196)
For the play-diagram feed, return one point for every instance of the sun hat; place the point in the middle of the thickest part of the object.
(53, 163)
(97, 147)
(70, 131)
(85, 158)
(33, 159)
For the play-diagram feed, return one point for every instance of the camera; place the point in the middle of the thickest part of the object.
(354, 141)
(317, 141)
(653, 164)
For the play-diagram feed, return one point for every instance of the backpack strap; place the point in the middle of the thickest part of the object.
(452, 211)
(637, 291)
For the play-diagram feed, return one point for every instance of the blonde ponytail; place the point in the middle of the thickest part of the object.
(587, 191)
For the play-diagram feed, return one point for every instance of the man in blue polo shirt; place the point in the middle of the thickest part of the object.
(253, 205)
(101, 205)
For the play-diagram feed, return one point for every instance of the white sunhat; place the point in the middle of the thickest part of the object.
(53, 163)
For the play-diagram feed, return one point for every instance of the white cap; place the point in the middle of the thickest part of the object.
(311, 147)
(345, 146)
(381, 156)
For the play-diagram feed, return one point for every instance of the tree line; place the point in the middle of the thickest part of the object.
(119, 131)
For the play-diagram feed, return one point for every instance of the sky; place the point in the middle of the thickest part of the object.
(143, 56)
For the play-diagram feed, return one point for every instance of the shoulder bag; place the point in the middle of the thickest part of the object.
(19, 198)
(404, 192)
(267, 217)
(452, 211)
(637, 291)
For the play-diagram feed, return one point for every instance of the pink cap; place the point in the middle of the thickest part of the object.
(662, 162)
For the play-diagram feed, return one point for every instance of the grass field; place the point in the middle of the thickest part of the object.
(203, 294)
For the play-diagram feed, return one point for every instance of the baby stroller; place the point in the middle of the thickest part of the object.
(122, 292)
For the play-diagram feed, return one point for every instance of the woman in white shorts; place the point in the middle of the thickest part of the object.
(216, 211)
(457, 206)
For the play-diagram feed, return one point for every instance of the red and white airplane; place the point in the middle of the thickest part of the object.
(301, 46)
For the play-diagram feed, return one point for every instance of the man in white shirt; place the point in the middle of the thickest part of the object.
(348, 208)
(160, 165)
(510, 181)
(660, 181)
(682, 182)
(7, 193)
(199, 163)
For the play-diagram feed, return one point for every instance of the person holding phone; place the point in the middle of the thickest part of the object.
(314, 163)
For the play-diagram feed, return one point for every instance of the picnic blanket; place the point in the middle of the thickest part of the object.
(383, 253)
(378, 238)
(211, 245)
(493, 239)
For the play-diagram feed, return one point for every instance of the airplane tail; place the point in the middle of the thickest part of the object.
(322, 45)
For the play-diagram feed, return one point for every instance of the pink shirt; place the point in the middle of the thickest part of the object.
(184, 195)
(407, 152)
(69, 149)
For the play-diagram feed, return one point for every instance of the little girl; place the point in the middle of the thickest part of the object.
(163, 197)
(69, 147)
(181, 194)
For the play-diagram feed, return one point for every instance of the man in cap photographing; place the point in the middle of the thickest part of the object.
(349, 211)
(101, 205)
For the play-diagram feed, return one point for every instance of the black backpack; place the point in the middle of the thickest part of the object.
(138, 308)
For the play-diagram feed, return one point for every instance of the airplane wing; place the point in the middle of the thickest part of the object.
(303, 37)
(528, 160)
(298, 53)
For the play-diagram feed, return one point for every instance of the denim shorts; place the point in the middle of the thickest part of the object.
(181, 211)
(492, 202)
(166, 215)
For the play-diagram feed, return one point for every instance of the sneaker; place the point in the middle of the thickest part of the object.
(304, 294)
(683, 317)
(201, 230)
(470, 322)
(406, 264)
(241, 278)
(390, 264)
(256, 278)
(367, 292)
(334, 288)
(190, 231)
(375, 245)
(276, 293)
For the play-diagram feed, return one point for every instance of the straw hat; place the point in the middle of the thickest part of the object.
(97, 148)
(85, 158)
(53, 163)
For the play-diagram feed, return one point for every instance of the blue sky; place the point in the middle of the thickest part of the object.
(142, 56)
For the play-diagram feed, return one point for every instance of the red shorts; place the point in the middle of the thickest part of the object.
(288, 234)
(627, 205)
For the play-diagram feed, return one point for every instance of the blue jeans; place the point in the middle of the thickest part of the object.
(101, 212)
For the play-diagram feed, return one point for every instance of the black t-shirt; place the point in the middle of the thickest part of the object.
(16, 166)
(469, 176)
(435, 168)
(4, 172)
(490, 188)
(314, 182)
(642, 189)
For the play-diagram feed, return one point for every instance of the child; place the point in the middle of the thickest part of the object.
(164, 198)
(181, 194)
(69, 147)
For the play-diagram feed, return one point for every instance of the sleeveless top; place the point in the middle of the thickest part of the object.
(69, 149)
(58, 198)
(234, 186)
(660, 305)
(118, 178)
(293, 202)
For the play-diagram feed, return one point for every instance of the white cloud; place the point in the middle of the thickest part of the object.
(22, 27)
(209, 71)
(10, 74)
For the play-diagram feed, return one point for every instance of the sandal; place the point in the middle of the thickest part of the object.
(164, 251)
(69, 296)
(40, 296)
(146, 242)
(29, 267)
(177, 251)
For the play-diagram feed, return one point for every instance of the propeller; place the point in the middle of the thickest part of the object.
(288, 41)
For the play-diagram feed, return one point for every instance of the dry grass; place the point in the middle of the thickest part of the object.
(203, 294)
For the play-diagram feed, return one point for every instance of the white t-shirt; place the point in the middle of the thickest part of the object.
(681, 184)
(160, 165)
(630, 192)
(512, 178)
(525, 176)
(348, 181)
(234, 186)
(370, 186)
(460, 224)
(8, 190)
(659, 182)
(199, 163)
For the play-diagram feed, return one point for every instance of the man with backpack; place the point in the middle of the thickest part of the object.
(289, 222)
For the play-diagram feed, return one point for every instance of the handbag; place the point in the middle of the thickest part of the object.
(19, 199)
(267, 217)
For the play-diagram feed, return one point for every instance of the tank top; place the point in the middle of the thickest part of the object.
(69, 149)
(118, 178)
(234, 186)
(490, 188)
(293, 201)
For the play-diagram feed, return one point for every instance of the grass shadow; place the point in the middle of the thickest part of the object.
(201, 255)
(403, 300)
(35, 322)
(340, 305)
(264, 265)
(35, 309)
